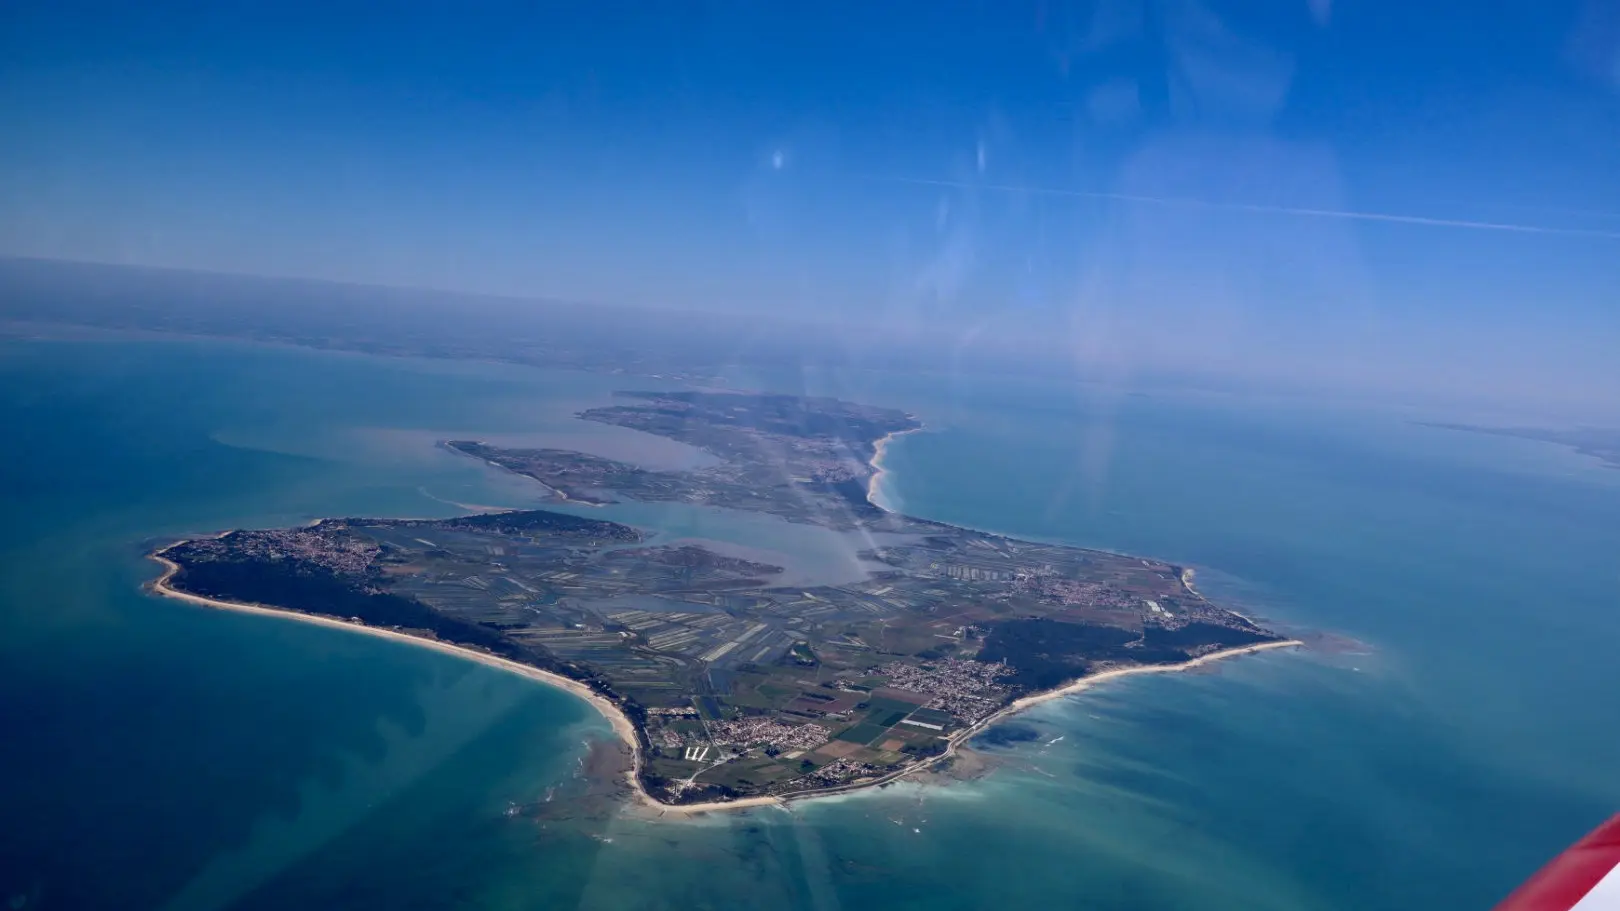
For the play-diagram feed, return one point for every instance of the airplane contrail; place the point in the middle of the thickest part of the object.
(1190, 202)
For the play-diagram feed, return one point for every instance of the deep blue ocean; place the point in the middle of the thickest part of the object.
(1456, 730)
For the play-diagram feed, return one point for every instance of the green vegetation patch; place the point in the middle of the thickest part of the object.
(932, 716)
(752, 699)
(863, 733)
(879, 704)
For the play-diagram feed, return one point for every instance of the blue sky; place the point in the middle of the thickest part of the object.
(1138, 184)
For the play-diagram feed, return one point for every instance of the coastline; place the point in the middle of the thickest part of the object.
(625, 730)
(1187, 575)
(879, 449)
(620, 722)
(960, 738)
(1085, 683)
(552, 491)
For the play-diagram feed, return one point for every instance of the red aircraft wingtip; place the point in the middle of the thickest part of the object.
(1584, 878)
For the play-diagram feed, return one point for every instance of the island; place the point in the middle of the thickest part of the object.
(731, 685)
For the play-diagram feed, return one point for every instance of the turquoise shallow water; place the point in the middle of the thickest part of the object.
(164, 756)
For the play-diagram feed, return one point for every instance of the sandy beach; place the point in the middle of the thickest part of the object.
(1086, 683)
(961, 737)
(1187, 576)
(626, 731)
(621, 724)
(879, 449)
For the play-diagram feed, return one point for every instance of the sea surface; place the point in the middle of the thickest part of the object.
(1455, 727)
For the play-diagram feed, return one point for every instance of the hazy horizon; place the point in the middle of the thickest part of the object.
(1304, 197)
(37, 294)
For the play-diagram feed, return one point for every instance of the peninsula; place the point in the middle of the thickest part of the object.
(732, 687)
(1599, 443)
